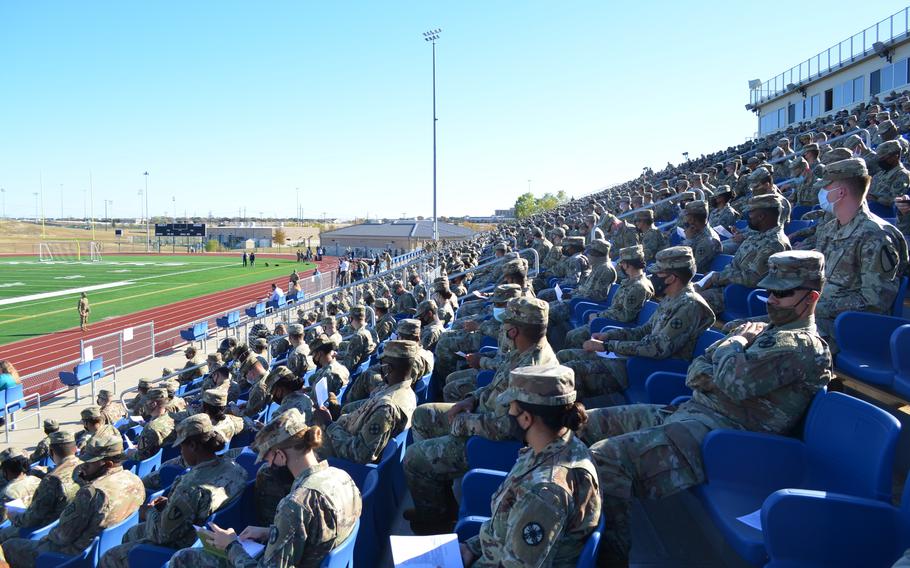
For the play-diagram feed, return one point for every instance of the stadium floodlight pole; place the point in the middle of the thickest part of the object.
(91, 202)
(431, 36)
(148, 234)
(41, 184)
(36, 206)
(297, 189)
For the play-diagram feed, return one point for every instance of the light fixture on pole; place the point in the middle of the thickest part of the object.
(148, 234)
(431, 36)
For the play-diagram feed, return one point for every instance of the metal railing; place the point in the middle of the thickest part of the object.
(855, 47)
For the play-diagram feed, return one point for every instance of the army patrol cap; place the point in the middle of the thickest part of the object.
(170, 386)
(328, 320)
(844, 169)
(51, 425)
(886, 126)
(517, 266)
(501, 246)
(400, 349)
(644, 215)
(91, 413)
(635, 252)
(323, 341)
(526, 311)
(102, 446)
(558, 232)
(279, 431)
(358, 312)
(798, 165)
(760, 175)
(155, 394)
(193, 426)
(599, 247)
(62, 437)
(427, 306)
(261, 342)
(766, 201)
(574, 241)
(541, 385)
(795, 269)
(852, 141)
(440, 284)
(409, 327)
(382, 303)
(280, 373)
(145, 383)
(888, 148)
(295, 329)
(505, 292)
(536, 232)
(673, 258)
(215, 397)
(835, 155)
(697, 208)
(166, 371)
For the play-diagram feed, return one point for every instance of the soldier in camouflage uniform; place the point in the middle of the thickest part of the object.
(701, 238)
(286, 389)
(175, 404)
(211, 483)
(750, 264)
(136, 405)
(362, 435)
(336, 374)
(759, 378)
(804, 192)
(762, 183)
(93, 424)
(191, 374)
(595, 287)
(316, 516)
(620, 233)
(431, 327)
(893, 179)
(445, 299)
(573, 269)
(109, 495)
(158, 431)
(652, 239)
(672, 331)
(418, 288)
(385, 322)
(722, 213)
(329, 328)
(864, 255)
(634, 290)
(42, 450)
(55, 491)
(405, 302)
(551, 260)
(442, 430)
(111, 408)
(19, 484)
(549, 504)
(360, 345)
(299, 360)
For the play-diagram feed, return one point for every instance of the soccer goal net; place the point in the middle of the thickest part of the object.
(64, 251)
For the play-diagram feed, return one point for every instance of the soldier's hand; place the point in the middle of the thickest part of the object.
(259, 534)
(158, 503)
(219, 537)
(322, 416)
(593, 345)
(471, 325)
(461, 406)
(598, 336)
(467, 557)
(749, 331)
(592, 317)
(473, 360)
(903, 204)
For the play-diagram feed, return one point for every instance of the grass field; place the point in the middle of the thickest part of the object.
(133, 283)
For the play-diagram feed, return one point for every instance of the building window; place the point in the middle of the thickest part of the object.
(829, 99)
(888, 77)
(858, 87)
(791, 113)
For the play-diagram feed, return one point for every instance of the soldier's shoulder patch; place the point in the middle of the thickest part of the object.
(273, 534)
(889, 258)
(676, 323)
(532, 533)
(374, 429)
(767, 342)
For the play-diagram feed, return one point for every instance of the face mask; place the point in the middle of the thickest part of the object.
(660, 285)
(567, 252)
(752, 225)
(885, 165)
(782, 316)
(827, 206)
(515, 430)
(498, 313)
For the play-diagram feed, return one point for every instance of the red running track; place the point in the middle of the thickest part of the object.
(38, 353)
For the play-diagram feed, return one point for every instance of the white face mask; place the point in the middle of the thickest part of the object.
(827, 206)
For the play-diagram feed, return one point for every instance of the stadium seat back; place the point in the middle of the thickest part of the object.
(489, 454)
(239, 513)
(342, 556)
(900, 359)
(113, 535)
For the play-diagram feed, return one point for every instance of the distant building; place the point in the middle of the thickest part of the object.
(263, 237)
(505, 213)
(402, 234)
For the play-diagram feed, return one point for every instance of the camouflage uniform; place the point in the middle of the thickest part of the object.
(627, 302)
(316, 516)
(336, 375)
(113, 410)
(430, 333)
(156, 433)
(596, 285)
(42, 449)
(431, 463)
(654, 451)
(299, 359)
(886, 185)
(724, 217)
(54, 492)
(750, 263)
(102, 503)
(386, 324)
(549, 504)
(192, 498)
(672, 331)
(706, 244)
(23, 488)
(405, 303)
(359, 346)
(621, 233)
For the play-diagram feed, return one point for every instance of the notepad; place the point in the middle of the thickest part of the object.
(704, 280)
(432, 551)
(16, 506)
(558, 291)
(137, 419)
(680, 232)
(322, 391)
(722, 231)
(461, 354)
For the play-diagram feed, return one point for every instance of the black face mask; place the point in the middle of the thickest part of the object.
(752, 225)
(885, 164)
(515, 430)
(567, 251)
(660, 285)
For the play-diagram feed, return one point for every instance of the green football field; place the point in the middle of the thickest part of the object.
(40, 297)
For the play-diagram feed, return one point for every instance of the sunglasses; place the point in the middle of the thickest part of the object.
(784, 293)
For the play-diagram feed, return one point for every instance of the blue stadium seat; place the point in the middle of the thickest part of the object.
(240, 513)
(883, 211)
(757, 306)
(484, 378)
(342, 556)
(799, 210)
(230, 320)
(97, 368)
(720, 262)
(12, 400)
(37, 533)
(196, 332)
(588, 558)
(900, 360)
(848, 447)
(490, 454)
(817, 529)
(664, 387)
(247, 459)
(643, 316)
(367, 548)
(797, 225)
(741, 225)
(281, 302)
(897, 309)
(256, 311)
(145, 466)
(864, 340)
(81, 375)
(736, 302)
(477, 488)
(469, 526)
(420, 388)
(113, 536)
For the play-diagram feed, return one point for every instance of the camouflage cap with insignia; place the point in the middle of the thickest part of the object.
(279, 373)
(798, 164)
(505, 292)
(697, 207)
(400, 349)
(215, 397)
(279, 431)
(517, 266)
(766, 201)
(760, 175)
(157, 394)
(672, 258)
(322, 341)
(107, 444)
(599, 247)
(526, 311)
(644, 215)
(105, 394)
(62, 437)
(382, 303)
(193, 426)
(635, 252)
(51, 425)
(409, 327)
(146, 383)
(261, 342)
(835, 155)
(167, 371)
(795, 269)
(888, 148)
(540, 385)
(886, 127)
(845, 169)
(328, 320)
(91, 413)
(441, 284)
(295, 329)
(574, 241)
(427, 306)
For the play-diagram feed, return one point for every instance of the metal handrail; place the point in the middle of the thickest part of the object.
(8, 421)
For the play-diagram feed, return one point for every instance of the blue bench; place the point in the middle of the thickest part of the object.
(83, 374)
(197, 332)
(230, 321)
(256, 311)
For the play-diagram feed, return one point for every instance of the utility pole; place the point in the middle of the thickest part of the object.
(148, 234)
(91, 186)
(36, 206)
(298, 205)
(431, 36)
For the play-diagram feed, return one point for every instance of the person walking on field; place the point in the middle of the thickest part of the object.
(83, 309)
(252, 259)
(244, 258)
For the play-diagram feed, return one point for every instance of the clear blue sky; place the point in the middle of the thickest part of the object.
(235, 104)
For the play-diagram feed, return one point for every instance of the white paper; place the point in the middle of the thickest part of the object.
(753, 519)
(558, 291)
(763, 299)
(461, 354)
(16, 506)
(306, 377)
(704, 280)
(137, 419)
(252, 547)
(129, 443)
(128, 334)
(680, 232)
(393, 337)
(433, 551)
(322, 391)
(722, 231)
(88, 353)
(606, 354)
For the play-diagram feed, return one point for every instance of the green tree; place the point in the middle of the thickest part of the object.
(547, 202)
(562, 197)
(526, 205)
(279, 236)
(212, 246)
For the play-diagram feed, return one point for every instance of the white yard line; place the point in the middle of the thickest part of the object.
(67, 292)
